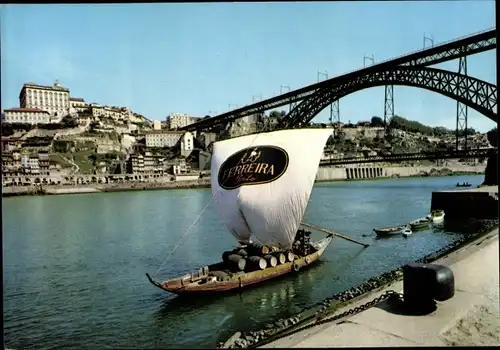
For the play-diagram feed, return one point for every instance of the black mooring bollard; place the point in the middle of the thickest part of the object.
(425, 283)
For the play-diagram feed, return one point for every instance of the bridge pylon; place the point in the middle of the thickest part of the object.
(335, 112)
(462, 110)
(388, 105)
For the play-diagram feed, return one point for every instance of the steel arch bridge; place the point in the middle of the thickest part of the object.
(477, 94)
(444, 52)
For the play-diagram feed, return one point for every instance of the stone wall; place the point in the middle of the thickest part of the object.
(370, 172)
(331, 173)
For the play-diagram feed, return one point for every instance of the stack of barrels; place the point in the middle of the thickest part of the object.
(256, 256)
(301, 245)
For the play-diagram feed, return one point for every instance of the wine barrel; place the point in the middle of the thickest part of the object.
(289, 256)
(241, 252)
(280, 257)
(259, 249)
(256, 262)
(274, 249)
(226, 254)
(271, 261)
(237, 261)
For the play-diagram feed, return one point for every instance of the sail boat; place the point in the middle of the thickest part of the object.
(261, 184)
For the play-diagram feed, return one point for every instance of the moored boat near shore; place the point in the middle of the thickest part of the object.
(420, 224)
(251, 181)
(436, 216)
(220, 277)
(391, 230)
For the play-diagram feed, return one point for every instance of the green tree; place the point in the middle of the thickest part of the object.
(93, 126)
(69, 122)
(274, 115)
(377, 121)
(7, 129)
(470, 131)
(440, 131)
(93, 158)
(401, 123)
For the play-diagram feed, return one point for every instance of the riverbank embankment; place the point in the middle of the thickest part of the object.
(325, 174)
(360, 172)
(98, 188)
(469, 318)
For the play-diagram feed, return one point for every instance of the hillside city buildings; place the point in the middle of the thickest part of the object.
(26, 116)
(29, 153)
(179, 120)
(115, 140)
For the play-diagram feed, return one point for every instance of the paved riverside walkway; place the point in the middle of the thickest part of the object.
(471, 317)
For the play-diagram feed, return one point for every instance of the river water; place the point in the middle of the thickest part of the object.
(74, 265)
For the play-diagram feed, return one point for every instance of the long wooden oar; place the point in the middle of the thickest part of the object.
(331, 232)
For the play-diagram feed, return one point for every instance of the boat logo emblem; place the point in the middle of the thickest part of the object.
(253, 166)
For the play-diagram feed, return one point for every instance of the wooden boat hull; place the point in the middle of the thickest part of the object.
(389, 231)
(243, 279)
(437, 216)
(419, 224)
(437, 219)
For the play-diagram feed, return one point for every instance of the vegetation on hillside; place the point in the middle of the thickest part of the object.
(400, 123)
(404, 124)
(417, 139)
(57, 159)
(9, 129)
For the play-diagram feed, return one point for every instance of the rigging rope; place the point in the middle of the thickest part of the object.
(194, 222)
(184, 235)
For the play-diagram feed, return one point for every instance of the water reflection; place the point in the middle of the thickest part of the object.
(262, 299)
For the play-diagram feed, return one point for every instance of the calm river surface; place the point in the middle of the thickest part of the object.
(74, 265)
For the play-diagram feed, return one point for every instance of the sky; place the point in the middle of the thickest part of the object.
(207, 58)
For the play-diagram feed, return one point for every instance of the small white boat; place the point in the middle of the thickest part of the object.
(387, 231)
(406, 232)
(420, 224)
(437, 216)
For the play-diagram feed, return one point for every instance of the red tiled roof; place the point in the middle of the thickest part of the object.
(24, 110)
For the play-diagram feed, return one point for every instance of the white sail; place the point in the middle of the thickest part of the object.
(262, 182)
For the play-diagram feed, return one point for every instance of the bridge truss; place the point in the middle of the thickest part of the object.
(448, 51)
(472, 92)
